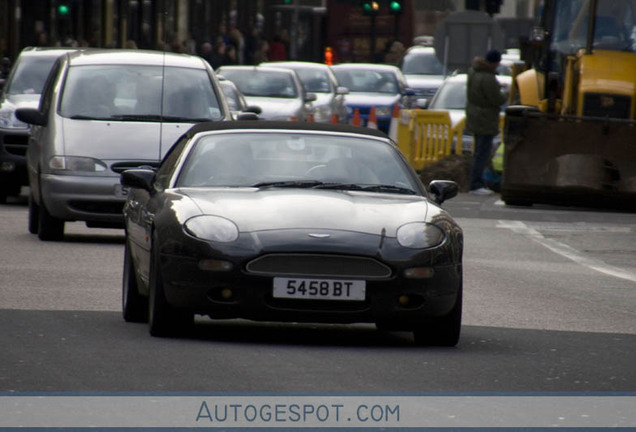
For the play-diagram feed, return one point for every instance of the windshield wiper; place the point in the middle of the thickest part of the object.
(85, 117)
(367, 188)
(137, 117)
(289, 184)
(177, 119)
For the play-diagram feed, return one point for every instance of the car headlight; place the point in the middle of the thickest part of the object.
(9, 121)
(419, 235)
(212, 228)
(322, 113)
(76, 163)
(383, 111)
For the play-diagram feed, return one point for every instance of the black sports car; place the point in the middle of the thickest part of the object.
(291, 221)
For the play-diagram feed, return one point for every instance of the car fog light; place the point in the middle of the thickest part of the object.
(403, 300)
(215, 265)
(227, 293)
(419, 273)
(7, 167)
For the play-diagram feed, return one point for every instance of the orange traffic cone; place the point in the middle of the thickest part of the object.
(294, 118)
(395, 120)
(355, 121)
(334, 118)
(373, 121)
(310, 118)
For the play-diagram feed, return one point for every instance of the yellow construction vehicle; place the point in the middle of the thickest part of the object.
(571, 140)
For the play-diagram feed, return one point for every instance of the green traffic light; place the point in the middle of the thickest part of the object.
(395, 6)
(63, 9)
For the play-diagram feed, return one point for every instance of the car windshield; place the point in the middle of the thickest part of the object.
(451, 95)
(314, 80)
(262, 83)
(30, 75)
(296, 160)
(367, 81)
(424, 63)
(138, 93)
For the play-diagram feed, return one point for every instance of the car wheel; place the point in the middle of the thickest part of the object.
(34, 215)
(134, 305)
(164, 320)
(443, 331)
(50, 228)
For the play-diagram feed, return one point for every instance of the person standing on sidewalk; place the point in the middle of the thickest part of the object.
(484, 100)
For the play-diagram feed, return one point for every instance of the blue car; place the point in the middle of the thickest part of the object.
(374, 85)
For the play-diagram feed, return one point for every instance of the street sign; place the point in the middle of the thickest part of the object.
(462, 36)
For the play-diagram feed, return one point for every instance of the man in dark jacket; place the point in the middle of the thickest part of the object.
(484, 100)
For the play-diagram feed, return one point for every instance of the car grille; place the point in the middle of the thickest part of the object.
(606, 105)
(319, 265)
(120, 167)
(15, 144)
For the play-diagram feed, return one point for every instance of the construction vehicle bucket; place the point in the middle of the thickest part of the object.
(568, 160)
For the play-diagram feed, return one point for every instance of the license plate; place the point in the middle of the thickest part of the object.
(319, 289)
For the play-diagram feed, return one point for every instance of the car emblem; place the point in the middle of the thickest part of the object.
(315, 235)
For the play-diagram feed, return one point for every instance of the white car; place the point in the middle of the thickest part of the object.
(423, 71)
(278, 92)
(318, 78)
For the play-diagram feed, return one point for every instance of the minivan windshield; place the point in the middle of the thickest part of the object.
(139, 93)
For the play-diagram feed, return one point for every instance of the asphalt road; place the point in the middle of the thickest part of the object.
(550, 306)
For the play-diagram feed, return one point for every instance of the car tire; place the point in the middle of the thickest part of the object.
(443, 331)
(34, 215)
(134, 305)
(164, 320)
(50, 228)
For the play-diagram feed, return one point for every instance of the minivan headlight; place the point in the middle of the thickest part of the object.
(419, 235)
(383, 111)
(76, 163)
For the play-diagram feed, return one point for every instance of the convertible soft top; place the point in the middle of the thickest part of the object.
(283, 125)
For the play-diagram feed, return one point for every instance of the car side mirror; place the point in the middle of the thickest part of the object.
(247, 116)
(31, 116)
(254, 109)
(310, 97)
(342, 90)
(138, 178)
(443, 190)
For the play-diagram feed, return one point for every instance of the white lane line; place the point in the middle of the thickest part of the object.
(566, 251)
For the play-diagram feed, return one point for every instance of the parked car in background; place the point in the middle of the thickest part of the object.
(22, 88)
(235, 99)
(319, 79)
(374, 85)
(291, 221)
(423, 71)
(451, 97)
(102, 112)
(278, 92)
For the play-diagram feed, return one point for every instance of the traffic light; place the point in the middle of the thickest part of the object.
(395, 7)
(63, 8)
(370, 7)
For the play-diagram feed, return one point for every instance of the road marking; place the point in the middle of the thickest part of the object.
(566, 251)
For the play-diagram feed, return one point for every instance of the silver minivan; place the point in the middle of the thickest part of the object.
(102, 112)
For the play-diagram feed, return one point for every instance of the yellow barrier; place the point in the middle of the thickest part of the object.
(426, 136)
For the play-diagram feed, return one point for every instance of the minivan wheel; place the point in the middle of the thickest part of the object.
(50, 228)
(34, 215)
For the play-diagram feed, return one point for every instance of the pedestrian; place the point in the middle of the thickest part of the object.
(277, 50)
(484, 99)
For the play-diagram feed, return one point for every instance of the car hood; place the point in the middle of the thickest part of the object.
(20, 101)
(374, 99)
(278, 209)
(108, 140)
(275, 107)
(417, 81)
